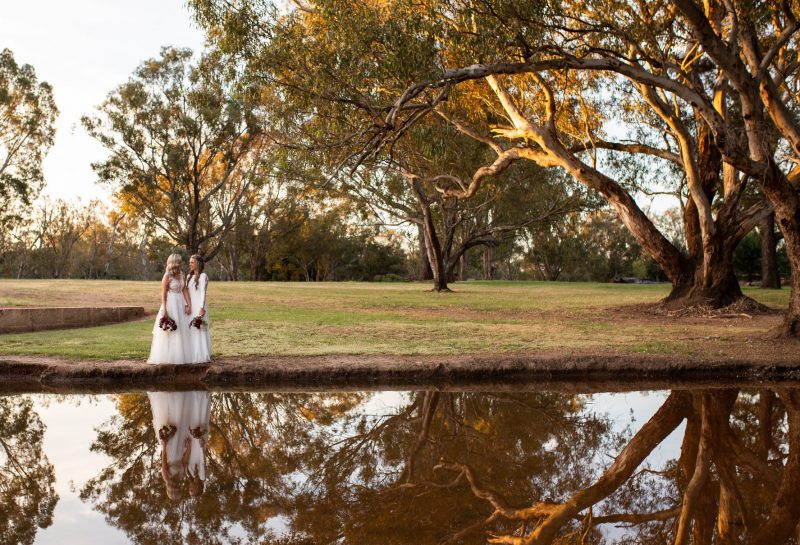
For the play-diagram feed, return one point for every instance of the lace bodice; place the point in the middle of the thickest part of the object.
(176, 284)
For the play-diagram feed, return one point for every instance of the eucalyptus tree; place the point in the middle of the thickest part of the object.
(707, 96)
(256, 444)
(60, 227)
(404, 187)
(27, 115)
(27, 478)
(185, 146)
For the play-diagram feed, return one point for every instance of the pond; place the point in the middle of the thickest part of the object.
(401, 467)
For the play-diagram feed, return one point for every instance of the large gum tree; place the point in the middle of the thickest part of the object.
(27, 115)
(185, 147)
(704, 94)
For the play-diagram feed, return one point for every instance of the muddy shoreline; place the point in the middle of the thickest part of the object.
(563, 372)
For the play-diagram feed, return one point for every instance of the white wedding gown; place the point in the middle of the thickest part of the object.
(199, 340)
(186, 411)
(172, 346)
(198, 413)
(169, 409)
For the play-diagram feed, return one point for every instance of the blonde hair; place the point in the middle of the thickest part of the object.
(174, 264)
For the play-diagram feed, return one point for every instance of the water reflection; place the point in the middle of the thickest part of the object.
(27, 492)
(180, 420)
(442, 467)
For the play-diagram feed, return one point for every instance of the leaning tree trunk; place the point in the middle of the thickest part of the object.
(424, 270)
(769, 259)
(436, 256)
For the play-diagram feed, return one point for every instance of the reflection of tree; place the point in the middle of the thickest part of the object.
(27, 495)
(736, 481)
(250, 459)
(405, 477)
(513, 468)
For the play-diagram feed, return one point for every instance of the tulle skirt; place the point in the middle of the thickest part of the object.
(185, 411)
(169, 409)
(199, 339)
(198, 414)
(172, 346)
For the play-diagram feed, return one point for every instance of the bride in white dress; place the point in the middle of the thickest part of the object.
(199, 338)
(170, 423)
(172, 346)
(198, 413)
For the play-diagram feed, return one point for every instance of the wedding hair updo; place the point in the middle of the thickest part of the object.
(174, 264)
(200, 265)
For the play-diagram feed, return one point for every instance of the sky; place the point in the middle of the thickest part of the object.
(84, 49)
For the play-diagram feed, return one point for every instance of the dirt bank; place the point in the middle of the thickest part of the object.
(573, 371)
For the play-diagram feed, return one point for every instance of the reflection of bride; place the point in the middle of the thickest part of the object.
(180, 421)
(198, 413)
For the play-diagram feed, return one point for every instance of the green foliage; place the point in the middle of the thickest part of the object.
(591, 246)
(747, 256)
(27, 117)
(185, 146)
(27, 478)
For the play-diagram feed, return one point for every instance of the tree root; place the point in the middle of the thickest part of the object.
(744, 307)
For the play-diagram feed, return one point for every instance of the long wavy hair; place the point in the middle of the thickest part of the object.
(200, 265)
(174, 262)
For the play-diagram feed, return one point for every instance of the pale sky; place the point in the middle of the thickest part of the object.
(85, 48)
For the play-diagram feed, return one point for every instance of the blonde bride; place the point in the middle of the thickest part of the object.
(171, 330)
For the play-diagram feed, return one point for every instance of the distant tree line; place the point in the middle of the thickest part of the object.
(504, 172)
(284, 237)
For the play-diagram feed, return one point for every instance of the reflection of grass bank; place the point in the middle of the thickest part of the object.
(360, 318)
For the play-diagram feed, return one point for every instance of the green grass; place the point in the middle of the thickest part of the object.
(251, 319)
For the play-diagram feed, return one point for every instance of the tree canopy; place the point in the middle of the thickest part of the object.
(185, 147)
(704, 95)
(27, 115)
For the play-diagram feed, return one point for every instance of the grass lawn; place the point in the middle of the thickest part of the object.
(252, 319)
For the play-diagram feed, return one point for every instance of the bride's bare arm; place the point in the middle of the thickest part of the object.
(164, 289)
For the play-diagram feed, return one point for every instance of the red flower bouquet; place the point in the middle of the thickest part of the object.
(198, 322)
(167, 324)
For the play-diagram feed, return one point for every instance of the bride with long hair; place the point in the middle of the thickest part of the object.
(199, 334)
(170, 332)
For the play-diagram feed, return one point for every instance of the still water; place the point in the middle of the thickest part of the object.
(414, 467)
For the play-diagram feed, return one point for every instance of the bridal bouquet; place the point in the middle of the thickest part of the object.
(198, 322)
(167, 324)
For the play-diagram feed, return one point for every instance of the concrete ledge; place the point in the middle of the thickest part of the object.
(544, 371)
(20, 320)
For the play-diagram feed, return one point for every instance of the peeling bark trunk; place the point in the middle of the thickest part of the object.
(786, 201)
(712, 281)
